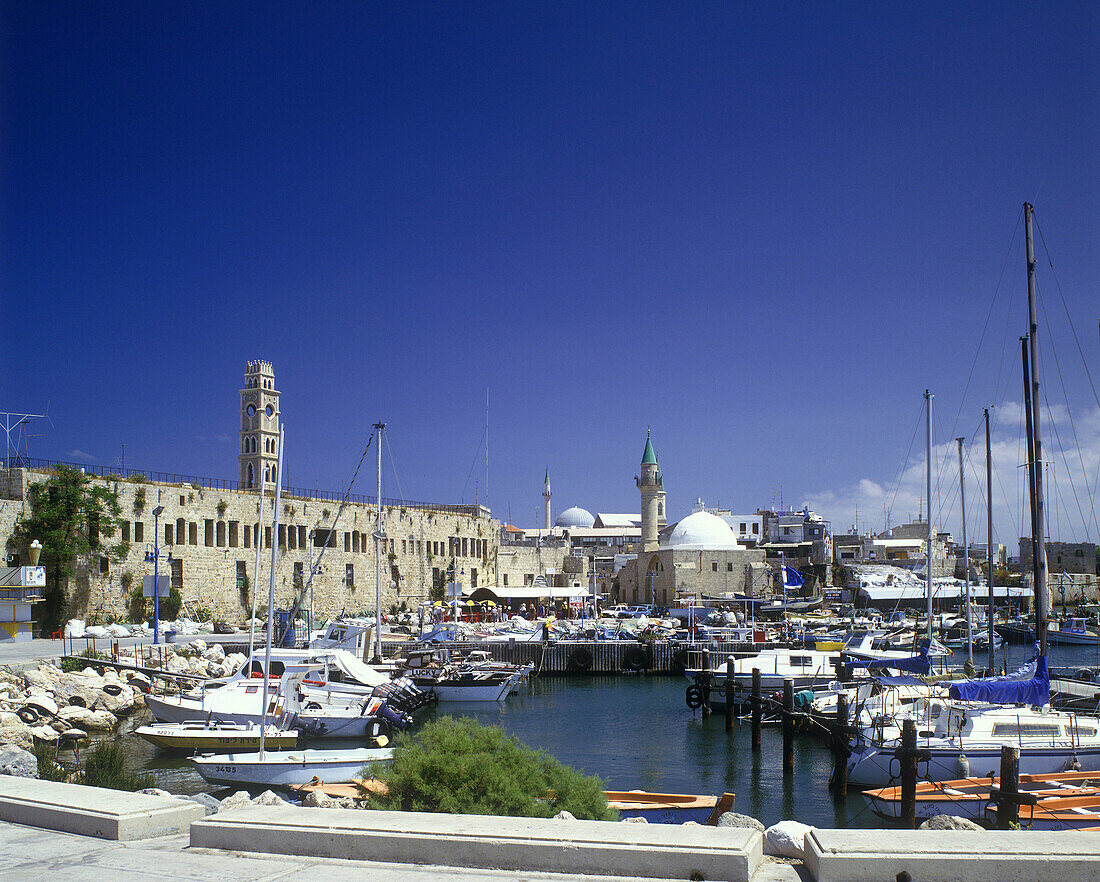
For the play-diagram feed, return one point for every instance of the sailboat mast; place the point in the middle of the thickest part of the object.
(928, 485)
(1037, 485)
(271, 592)
(966, 557)
(989, 537)
(379, 540)
(256, 579)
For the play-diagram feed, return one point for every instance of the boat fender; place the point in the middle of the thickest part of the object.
(580, 659)
(635, 659)
(694, 696)
(962, 766)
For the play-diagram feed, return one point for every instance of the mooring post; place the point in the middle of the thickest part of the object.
(788, 727)
(704, 682)
(756, 710)
(840, 749)
(1007, 795)
(729, 694)
(908, 759)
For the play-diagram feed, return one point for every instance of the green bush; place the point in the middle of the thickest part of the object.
(170, 605)
(69, 665)
(459, 766)
(136, 606)
(106, 767)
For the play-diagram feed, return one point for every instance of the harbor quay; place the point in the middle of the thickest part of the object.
(51, 829)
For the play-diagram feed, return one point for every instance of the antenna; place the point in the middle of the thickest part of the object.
(19, 426)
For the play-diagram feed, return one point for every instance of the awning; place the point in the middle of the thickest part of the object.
(524, 592)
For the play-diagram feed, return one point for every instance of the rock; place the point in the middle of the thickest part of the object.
(39, 679)
(42, 703)
(44, 733)
(211, 804)
(18, 762)
(950, 822)
(317, 799)
(237, 800)
(118, 704)
(177, 665)
(215, 653)
(564, 816)
(786, 839)
(268, 798)
(635, 821)
(155, 791)
(733, 819)
(198, 647)
(140, 682)
(78, 716)
(74, 735)
(691, 824)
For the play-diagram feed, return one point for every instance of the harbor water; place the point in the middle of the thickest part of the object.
(635, 732)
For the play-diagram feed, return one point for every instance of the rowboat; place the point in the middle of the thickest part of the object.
(214, 735)
(970, 797)
(656, 808)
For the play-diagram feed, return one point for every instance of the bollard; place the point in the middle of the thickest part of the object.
(1007, 795)
(729, 694)
(704, 681)
(788, 727)
(840, 749)
(756, 710)
(908, 759)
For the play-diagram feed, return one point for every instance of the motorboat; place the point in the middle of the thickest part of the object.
(1073, 632)
(210, 734)
(473, 679)
(289, 769)
(970, 797)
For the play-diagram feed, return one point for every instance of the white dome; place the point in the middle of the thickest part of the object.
(575, 517)
(702, 531)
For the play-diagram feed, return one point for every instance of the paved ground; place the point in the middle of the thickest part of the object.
(30, 854)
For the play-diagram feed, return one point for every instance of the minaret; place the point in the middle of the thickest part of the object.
(547, 519)
(651, 487)
(258, 454)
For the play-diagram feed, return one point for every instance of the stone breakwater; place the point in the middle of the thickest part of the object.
(46, 703)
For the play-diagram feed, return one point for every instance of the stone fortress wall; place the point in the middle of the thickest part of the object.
(211, 536)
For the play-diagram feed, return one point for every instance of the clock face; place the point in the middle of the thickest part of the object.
(250, 410)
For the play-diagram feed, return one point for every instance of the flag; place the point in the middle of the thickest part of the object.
(792, 578)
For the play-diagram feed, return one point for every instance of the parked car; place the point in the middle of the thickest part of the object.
(637, 612)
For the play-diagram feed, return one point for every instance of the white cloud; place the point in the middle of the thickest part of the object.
(80, 454)
(1070, 478)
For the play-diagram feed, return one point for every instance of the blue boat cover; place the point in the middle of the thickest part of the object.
(1028, 685)
(919, 664)
(792, 578)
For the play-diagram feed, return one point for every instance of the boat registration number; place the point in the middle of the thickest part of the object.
(230, 769)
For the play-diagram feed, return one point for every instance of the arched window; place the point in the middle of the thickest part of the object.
(274, 479)
(267, 475)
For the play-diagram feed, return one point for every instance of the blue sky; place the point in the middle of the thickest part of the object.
(761, 230)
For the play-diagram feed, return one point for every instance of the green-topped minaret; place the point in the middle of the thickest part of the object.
(651, 487)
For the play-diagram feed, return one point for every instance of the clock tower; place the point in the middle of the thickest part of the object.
(258, 454)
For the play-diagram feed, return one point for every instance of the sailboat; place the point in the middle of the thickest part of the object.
(984, 714)
(293, 768)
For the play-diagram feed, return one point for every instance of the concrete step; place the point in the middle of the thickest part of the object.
(992, 856)
(529, 844)
(93, 811)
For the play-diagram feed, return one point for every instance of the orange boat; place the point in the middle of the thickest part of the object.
(657, 808)
(969, 797)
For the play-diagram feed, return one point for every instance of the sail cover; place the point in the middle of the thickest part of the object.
(1029, 684)
(919, 664)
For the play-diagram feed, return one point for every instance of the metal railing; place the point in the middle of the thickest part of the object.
(142, 476)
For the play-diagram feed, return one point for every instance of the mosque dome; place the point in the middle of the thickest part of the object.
(702, 531)
(575, 517)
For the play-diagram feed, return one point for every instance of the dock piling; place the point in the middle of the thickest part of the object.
(840, 749)
(704, 682)
(729, 694)
(788, 727)
(908, 758)
(755, 698)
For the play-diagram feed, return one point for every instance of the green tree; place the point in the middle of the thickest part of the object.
(73, 517)
(459, 766)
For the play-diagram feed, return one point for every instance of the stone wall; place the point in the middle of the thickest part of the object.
(211, 535)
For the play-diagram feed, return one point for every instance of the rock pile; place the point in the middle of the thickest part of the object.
(194, 658)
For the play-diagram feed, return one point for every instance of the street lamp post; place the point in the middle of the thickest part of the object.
(154, 555)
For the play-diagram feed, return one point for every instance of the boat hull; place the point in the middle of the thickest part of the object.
(285, 770)
(202, 741)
